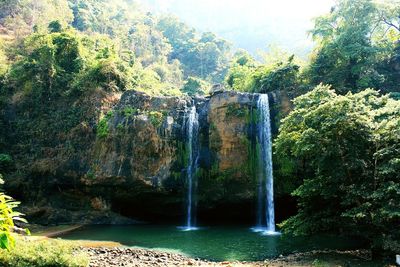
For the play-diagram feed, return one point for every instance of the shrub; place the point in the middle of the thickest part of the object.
(7, 218)
(129, 111)
(102, 127)
(156, 118)
(43, 253)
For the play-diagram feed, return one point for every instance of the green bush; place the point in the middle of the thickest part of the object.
(7, 218)
(156, 118)
(129, 111)
(102, 128)
(43, 253)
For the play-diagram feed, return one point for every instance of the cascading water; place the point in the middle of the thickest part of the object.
(192, 133)
(265, 203)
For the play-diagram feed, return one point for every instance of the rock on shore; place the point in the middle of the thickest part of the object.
(132, 257)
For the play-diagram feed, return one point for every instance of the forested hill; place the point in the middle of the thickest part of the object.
(252, 25)
(118, 45)
(156, 54)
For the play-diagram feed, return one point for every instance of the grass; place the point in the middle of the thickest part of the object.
(30, 252)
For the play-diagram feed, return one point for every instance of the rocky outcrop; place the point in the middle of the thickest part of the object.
(141, 141)
(229, 116)
(134, 163)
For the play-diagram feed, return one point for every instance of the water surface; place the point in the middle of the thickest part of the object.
(212, 243)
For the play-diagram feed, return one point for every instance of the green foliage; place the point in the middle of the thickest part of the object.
(249, 76)
(138, 43)
(43, 253)
(243, 58)
(129, 111)
(357, 46)
(156, 118)
(90, 174)
(4, 63)
(195, 86)
(66, 63)
(319, 263)
(204, 56)
(22, 17)
(55, 26)
(237, 111)
(239, 77)
(103, 127)
(7, 217)
(281, 76)
(344, 151)
(120, 47)
(110, 73)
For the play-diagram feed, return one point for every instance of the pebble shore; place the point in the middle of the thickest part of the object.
(132, 257)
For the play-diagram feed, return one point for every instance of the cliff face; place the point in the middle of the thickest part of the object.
(134, 159)
(141, 141)
(229, 115)
(229, 177)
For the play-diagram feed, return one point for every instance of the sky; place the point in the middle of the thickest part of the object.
(252, 24)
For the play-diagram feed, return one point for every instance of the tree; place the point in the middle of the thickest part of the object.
(343, 151)
(204, 56)
(281, 76)
(55, 26)
(245, 74)
(240, 71)
(353, 41)
(63, 63)
(195, 87)
(48, 64)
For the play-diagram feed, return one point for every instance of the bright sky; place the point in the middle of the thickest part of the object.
(250, 24)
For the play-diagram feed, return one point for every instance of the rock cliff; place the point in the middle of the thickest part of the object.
(133, 159)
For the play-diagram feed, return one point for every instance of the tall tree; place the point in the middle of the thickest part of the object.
(345, 152)
(353, 40)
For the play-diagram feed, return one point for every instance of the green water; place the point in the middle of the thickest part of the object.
(212, 243)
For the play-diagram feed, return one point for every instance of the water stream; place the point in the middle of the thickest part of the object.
(192, 133)
(265, 191)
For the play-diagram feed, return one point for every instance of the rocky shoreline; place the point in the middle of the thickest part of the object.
(132, 257)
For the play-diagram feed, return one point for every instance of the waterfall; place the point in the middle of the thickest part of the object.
(192, 133)
(265, 200)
